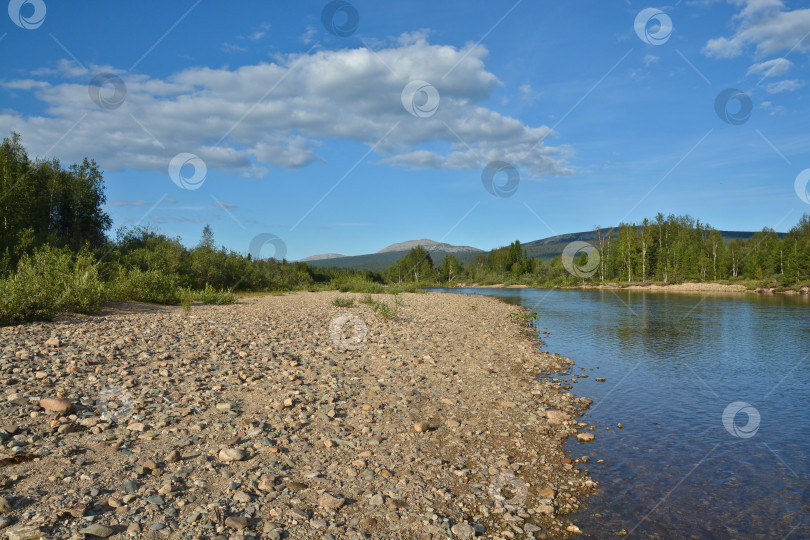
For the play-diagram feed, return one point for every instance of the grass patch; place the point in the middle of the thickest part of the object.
(356, 284)
(384, 310)
(380, 308)
(186, 297)
(343, 302)
(210, 295)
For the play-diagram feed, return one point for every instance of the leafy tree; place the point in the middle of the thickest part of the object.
(451, 268)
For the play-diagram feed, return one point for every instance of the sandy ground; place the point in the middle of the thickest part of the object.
(287, 417)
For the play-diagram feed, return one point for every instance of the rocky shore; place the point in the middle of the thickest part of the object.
(287, 417)
(702, 288)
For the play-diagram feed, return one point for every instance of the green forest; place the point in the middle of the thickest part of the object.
(59, 255)
(665, 249)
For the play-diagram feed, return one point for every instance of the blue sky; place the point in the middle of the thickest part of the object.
(348, 143)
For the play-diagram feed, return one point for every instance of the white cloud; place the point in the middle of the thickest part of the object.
(528, 94)
(772, 109)
(650, 59)
(766, 26)
(784, 86)
(278, 114)
(309, 35)
(231, 48)
(777, 67)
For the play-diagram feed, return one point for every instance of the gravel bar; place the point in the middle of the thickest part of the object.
(288, 417)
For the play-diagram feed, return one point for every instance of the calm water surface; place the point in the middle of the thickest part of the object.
(673, 363)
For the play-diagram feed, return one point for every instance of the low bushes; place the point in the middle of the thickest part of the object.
(52, 281)
(49, 282)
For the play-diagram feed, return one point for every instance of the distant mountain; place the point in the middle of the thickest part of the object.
(391, 254)
(322, 257)
(544, 249)
(429, 245)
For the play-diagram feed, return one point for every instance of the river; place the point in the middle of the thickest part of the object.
(713, 394)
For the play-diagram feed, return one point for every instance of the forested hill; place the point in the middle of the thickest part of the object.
(544, 249)
(548, 248)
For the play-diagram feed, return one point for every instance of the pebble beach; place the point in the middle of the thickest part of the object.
(288, 417)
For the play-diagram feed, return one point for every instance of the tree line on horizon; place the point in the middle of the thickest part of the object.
(665, 249)
(56, 253)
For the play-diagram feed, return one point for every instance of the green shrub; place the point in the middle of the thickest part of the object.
(384, 310)
(186, 297)
(49, 282)
(150, 286)
(343, 302)
(381, 308)
(210, 295)
(356, 284)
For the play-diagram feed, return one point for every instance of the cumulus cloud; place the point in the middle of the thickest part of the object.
(277, 114)
(772, 68)
(766, 26)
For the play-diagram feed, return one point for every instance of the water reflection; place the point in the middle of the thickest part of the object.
(672, 364)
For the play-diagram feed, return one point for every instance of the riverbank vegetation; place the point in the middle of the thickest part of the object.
(57, 254)
(662, 250)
